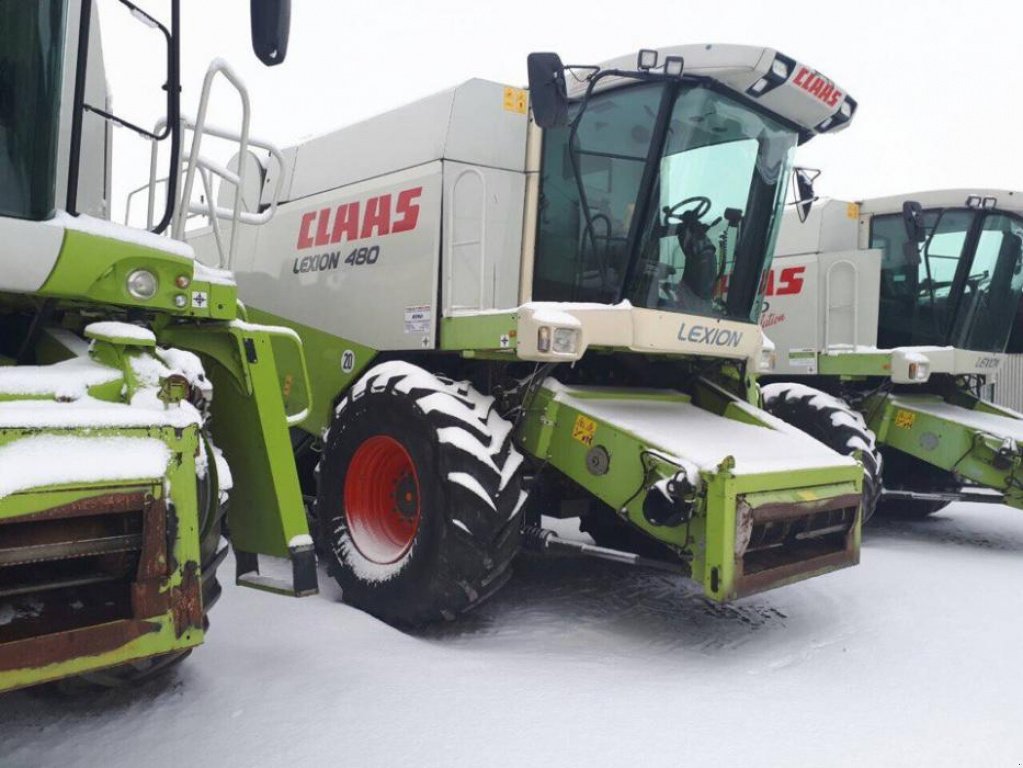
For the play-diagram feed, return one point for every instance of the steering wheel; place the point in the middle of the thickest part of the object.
(703, 205)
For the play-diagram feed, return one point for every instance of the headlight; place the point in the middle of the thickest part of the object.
(142, 284)
(566, 341)
(919, 371)
(543, 338)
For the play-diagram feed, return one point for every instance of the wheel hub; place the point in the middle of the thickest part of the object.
(381, 499)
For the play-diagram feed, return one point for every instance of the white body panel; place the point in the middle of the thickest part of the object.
(467, 123)
(298, 273)
(28, 254)
(482, 237)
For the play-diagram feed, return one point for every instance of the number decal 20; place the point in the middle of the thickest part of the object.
(363, 256)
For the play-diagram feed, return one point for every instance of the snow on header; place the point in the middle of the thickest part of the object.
(28, 463)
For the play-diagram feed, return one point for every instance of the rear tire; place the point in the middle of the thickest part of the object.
(831, 421)
(420, 499)
(910, 509)
(607, 530)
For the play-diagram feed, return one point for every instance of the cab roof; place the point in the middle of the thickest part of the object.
(779, 83)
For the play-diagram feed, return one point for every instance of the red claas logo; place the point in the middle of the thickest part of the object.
(382, 215)
(789, 281)
(818, 86)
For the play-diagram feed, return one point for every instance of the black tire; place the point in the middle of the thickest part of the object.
(212, 503)
(832, 422)
(910, 509)
(908, 473)
(608, 530)
(466, 496)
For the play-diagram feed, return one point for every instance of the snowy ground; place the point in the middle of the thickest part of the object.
(913, 658)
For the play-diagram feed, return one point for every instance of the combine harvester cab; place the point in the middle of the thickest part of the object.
(903, 308)
(553, 291)
(126, 378)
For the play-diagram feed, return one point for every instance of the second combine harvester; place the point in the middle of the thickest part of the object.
(898, 311)
(555, 291)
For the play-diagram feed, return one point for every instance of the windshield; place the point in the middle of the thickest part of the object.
(961, 288)
(31, 43)
(666, 195)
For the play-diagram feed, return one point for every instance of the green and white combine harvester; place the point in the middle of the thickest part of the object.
(897, 312)
(555, 291)
(113, 342)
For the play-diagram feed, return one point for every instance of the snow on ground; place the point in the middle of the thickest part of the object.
(912, 658)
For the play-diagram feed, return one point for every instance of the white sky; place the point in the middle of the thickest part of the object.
(938, 83)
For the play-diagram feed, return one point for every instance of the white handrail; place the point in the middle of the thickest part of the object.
(192, 161)
(217, 67)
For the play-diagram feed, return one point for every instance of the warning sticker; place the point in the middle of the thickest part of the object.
(419, 319)
(515, 100)
(584, 429)
(905, 419)
(803, 358)
(200, 299)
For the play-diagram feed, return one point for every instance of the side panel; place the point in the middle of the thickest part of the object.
(360, 262)
(849, 286)
(817, 302)
(789, 317)
(482, 237)
(29, 253)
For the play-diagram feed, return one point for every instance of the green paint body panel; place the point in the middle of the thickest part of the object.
(708, 542)
(855, 364)
(324, 353)
(979, 454)
(95, 269)
(163, 635)
(479, 332)
(249, 423)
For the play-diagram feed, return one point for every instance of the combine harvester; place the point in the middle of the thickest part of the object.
(502, 291)
(897, 311)
(112, 344)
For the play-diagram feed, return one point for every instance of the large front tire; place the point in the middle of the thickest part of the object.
(420, 498)
(832, 422)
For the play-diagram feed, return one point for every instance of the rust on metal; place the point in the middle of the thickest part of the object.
(186, 600)
(773, 577)
(791, 542)
(110, 503)
(64, 646)
(783, 512)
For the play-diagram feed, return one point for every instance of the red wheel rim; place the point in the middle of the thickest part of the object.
(382, 499)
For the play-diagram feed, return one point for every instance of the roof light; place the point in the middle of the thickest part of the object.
(673, 66)
(841, 116)
(973, 201)
(989, 202)
(779, 71)
(647, 59)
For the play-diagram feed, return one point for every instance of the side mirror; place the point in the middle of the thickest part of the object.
(803, 178)
(913, 220)
(271, 21)
(548, 94)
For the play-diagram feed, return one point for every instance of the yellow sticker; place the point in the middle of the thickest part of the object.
(584, 429)
(515, 100)
(852, 210)
(289, 382)
(905, 419)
